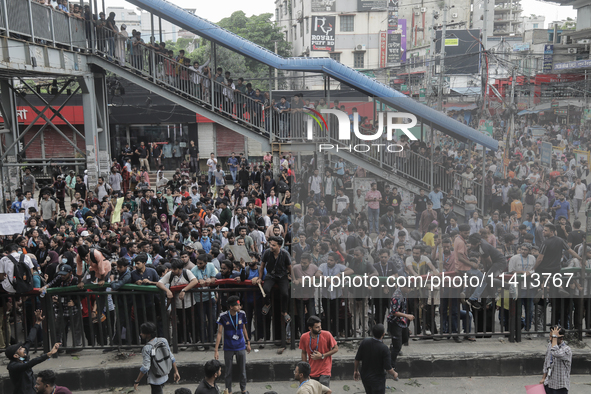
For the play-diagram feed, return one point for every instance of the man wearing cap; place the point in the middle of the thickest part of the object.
(20, 368)
(68, 308)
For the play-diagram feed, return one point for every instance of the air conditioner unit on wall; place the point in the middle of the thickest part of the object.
(572, 50)
(360, 47)
(423, 9)
(417, 13)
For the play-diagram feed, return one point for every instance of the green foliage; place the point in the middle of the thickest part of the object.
(258, 29)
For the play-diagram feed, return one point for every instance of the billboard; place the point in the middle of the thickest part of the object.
(394, 47)
(548, 57)
(323, 33)
(462, 51)
(383, 48)
(371, 5)
(402, 24)
(323, 5)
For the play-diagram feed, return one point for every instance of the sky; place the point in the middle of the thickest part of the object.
(213, 12)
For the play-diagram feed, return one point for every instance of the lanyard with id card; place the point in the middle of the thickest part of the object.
(235, 336)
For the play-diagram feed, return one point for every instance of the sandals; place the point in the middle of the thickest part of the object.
(266, 309)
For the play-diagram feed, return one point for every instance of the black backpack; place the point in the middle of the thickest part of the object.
(22, 278)
(105, 252)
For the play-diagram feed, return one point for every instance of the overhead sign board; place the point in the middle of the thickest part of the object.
(323, 33)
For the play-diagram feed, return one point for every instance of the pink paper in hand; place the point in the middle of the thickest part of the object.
(535, 389)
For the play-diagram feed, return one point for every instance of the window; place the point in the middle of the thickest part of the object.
(535, 25)
(301, 29)
(285, 8)
(277, 13)
(358, 58)
(307, 25)
(347, 23)
(336, 57)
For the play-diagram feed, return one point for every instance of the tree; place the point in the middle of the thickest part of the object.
(258, 29)
(570, 23)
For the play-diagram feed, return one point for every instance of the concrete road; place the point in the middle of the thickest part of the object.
(580, 384)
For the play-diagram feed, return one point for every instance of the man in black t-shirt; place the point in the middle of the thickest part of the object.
(550, 256)
(277, 261)
(420, 203)
(143, 154)
(577, 236)
(374, 356)
(490, 257)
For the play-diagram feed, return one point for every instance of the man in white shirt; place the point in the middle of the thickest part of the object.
(580, 191)
(342, 201)
(29, 202)
(212, 162)
(7, 266)
(315, 184)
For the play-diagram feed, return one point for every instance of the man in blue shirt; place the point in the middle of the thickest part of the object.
(16, 205)
(232, 325)
(561, 207)
(436, 196)
(233, 163)
(283, 107)
(252, 308)
(205, 273)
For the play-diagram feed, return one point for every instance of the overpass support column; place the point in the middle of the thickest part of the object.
(96, 126)
(10, 175)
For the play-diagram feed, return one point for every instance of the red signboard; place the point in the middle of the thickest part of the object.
(25, 115)
(383, 48)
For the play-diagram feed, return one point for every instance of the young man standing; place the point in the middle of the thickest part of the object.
(212, 163)
(557, 363)
(317, 349)
(232, 325)
(374, 357)
(148, 333)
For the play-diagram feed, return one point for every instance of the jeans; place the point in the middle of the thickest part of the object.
(373, 216)
(323, 379)
(496, 270)
(470, 273)
(283, 283)
(577, 202)
(195, 164)
(240, 364)
(398, 338)
(469, 215)
(209, 176)
(449, 298)
(145, 163)
(233, 173)
(526, 300)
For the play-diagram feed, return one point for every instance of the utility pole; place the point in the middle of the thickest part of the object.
(483, 81)
(484, 24)
(276, 72)
(511, 108)
(442, 62)
(431, 70)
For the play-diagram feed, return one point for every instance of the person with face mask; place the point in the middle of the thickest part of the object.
(20, 367)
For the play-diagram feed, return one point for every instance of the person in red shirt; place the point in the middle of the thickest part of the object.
(317, 348)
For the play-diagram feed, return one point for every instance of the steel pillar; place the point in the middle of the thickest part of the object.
(98, 158)
(9, 113)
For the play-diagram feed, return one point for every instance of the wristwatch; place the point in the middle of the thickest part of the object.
(554, 336)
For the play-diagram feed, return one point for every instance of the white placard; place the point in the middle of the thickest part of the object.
(12, 223)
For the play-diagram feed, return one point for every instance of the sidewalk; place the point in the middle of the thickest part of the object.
(424, 358)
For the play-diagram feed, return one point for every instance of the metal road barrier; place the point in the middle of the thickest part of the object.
(100, 318)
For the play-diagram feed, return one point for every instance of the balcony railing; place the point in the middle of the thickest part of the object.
(39, 23)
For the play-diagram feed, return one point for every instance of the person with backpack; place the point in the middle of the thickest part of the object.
(157, 360)
(16, 271)
(179, 276)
